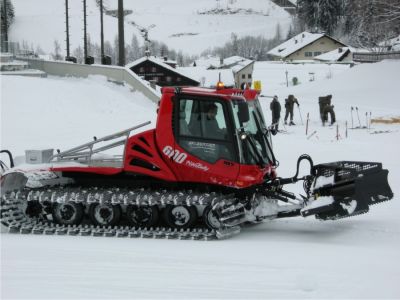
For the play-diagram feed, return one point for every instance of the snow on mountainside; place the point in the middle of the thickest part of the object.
(187, 26)
(289, 258)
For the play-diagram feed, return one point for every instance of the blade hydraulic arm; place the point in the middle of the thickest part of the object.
(335, 190)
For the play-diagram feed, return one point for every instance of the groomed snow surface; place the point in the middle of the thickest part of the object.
(294, 258)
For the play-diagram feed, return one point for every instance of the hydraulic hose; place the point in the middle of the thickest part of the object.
(294, 179)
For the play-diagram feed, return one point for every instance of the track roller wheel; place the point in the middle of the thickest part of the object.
(69, 213)
(142, 216)
(180, 216)
(211, 219)
(105, 214)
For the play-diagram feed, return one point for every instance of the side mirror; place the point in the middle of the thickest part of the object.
(243, 114)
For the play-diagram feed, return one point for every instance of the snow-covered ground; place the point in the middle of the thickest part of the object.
(55, 112)
(295, 258)
(179, 24)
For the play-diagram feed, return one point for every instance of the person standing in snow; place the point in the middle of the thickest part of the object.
(326, 108)
(289, 104)
(275, 107)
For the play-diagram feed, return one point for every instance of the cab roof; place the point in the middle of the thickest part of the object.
(229, 93)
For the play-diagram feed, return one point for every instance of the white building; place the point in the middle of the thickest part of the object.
(305, 46)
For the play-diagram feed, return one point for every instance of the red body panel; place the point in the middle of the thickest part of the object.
(156, 153)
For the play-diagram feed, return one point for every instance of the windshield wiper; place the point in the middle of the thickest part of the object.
(256, 152)
(265, 137)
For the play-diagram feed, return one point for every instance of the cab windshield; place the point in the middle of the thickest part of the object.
(254, 138)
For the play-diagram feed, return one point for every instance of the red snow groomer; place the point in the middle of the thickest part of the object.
(205, 170)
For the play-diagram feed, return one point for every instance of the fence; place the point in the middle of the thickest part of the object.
(375, 56)
(113, 73)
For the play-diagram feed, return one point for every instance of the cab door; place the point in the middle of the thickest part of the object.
(205, 148)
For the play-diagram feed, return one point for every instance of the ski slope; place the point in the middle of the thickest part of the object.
(291, 258)
(177, 23)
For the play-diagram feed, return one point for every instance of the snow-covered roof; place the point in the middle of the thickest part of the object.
(158, 62)
(334, 55)
(237, 63)
(209, 77)
(296, 43)
(287, 3)
(234, 63)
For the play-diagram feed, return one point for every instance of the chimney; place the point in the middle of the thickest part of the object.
(221, 61)
(340, 50)
(165, 58)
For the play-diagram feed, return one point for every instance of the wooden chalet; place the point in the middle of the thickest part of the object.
(160, 72)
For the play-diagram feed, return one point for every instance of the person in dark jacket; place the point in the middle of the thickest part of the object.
(289, 104)
(275, 107)
(211, 123)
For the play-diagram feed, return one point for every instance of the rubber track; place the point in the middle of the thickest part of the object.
(14, 218)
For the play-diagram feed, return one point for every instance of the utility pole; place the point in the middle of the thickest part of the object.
(101, 30)
(5, 26)
(67, 27)
(121, 40)
(85, 54)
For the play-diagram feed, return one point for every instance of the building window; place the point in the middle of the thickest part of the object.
(317, 53)
(249, 76)
(178, 79)
(322, 43)
(141, 70)
(243, 76)
(308, 54)
(154, 69)
(155, 79)
(168, 78)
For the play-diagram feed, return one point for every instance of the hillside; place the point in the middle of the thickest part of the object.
(187, 26)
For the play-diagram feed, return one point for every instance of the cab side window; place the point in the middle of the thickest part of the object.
(203, 130)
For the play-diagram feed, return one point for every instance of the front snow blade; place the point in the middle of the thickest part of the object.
(347, 188)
